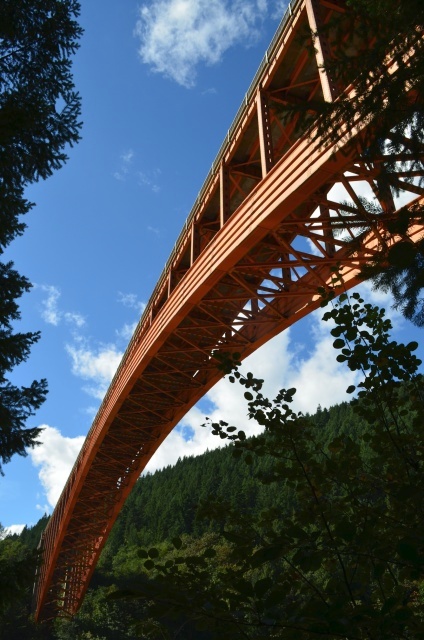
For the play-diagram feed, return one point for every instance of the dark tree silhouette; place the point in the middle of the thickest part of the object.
(39, 117)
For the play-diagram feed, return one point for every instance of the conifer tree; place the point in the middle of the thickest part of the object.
(39, 117)
(377, 49)
(343, 560)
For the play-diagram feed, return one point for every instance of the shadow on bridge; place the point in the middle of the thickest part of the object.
(269, 226)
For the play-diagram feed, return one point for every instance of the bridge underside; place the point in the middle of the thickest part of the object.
(276, 215)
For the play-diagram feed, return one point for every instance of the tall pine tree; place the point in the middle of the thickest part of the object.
(39, 117)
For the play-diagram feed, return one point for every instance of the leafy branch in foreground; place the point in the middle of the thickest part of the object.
(375, 64)
(345, 559)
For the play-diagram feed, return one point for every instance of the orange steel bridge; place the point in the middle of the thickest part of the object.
(270, 223)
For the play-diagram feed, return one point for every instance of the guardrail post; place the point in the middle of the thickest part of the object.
(265, 133)
(194, 243)
(224, 194)
(322, 50)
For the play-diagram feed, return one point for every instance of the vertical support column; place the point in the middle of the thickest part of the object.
(224, 195)
(194, 243)
(171, 281)
(383, 193)
(322, 50)
(286, 272)
(265, 134)
(327, 233)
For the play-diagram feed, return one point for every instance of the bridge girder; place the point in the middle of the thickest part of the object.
(266, 231)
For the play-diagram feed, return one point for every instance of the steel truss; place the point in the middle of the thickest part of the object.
(276, 215)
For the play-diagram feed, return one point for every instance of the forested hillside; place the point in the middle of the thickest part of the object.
(164, 506)
(311, 529)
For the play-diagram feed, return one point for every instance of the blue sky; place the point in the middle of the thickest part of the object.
(160, 84)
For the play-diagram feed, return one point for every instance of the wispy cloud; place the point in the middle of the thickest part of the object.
(210, 91)
(278, 9)
(11, 530)
(131, 301)
(125, 161)
(149, 179)
(126, 331)
(55, 457)
(96, 366)
(176, 36)
(311, 368)
(319, 378)
(145, 178)
(52, 314)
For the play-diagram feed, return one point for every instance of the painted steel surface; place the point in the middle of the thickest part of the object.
(266, 231)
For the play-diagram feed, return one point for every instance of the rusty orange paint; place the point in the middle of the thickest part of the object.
(236, 278)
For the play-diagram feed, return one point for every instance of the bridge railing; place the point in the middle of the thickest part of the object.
(56, 524)
(293, 7)
(285, 23)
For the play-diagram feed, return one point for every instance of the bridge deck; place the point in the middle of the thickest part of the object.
(256, 246)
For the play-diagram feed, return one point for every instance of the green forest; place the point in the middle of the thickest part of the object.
(171, 503)
(313, 529)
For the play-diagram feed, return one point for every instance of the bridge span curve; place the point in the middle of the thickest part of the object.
(266, 231)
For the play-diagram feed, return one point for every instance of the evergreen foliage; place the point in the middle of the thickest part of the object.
(342, 558)
(39, 117)
(377, 62)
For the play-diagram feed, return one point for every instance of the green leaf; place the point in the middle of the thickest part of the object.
(266, 554)
(412, 346)
(262, 586)
(233, 537)
(177, 542)
(153, 553)
(346, 530)
(408, 551)
(123, 594)
(339, 343)
(351, 388)
(402, 254)
(149, 564)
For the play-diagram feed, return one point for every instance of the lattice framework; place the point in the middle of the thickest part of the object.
(266, 231)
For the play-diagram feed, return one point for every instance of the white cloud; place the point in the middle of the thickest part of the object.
(126, 159)
(279, 9)
(96, 366)
(51, 312)
(44, 508)
(149, 179)
(55, 457)
(127, 331)
(74, 318)
(210, 91)
(318, 378)
(178, 35)
(11, 530)
(131, 301)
